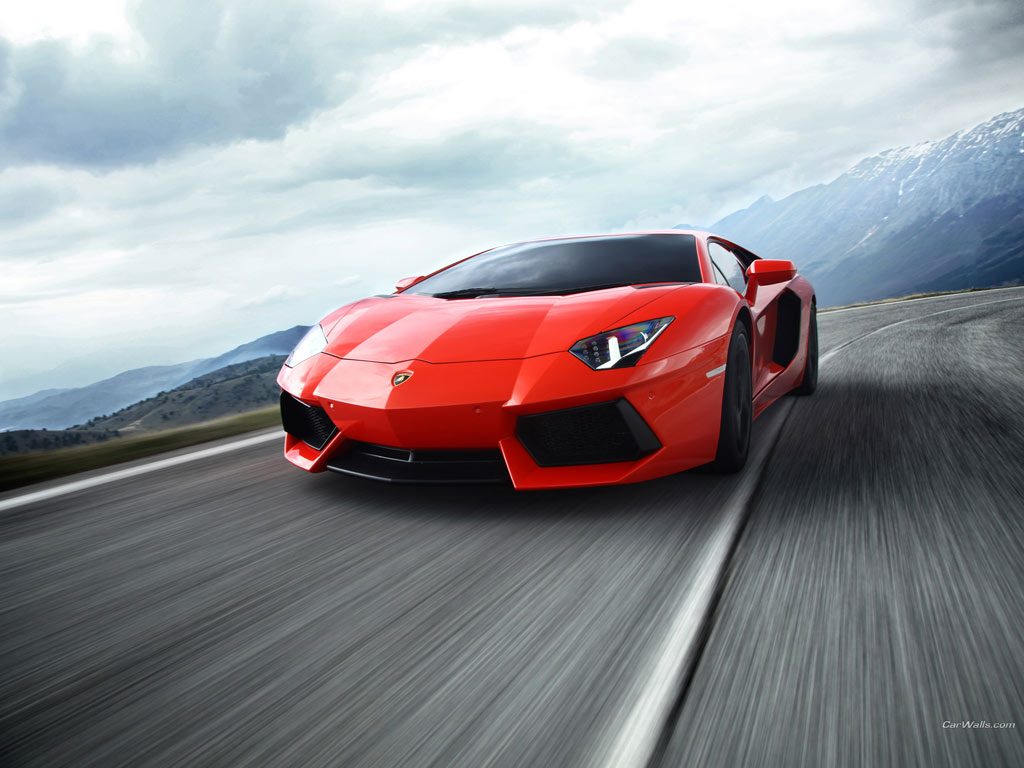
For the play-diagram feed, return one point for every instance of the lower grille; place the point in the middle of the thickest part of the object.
(308, 423)
(399, 465)
(590, 434)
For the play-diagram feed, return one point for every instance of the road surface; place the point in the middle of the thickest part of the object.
(856, 587)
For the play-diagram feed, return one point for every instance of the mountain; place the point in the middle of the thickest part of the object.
(60, 409)
(229, 390)
(941, 215)
(26, 402)
(280, 343)
(235, 388)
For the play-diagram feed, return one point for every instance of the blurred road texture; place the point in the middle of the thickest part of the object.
(858, 585)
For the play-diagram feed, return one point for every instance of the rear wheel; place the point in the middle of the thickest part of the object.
(737, 406)
(809, 383)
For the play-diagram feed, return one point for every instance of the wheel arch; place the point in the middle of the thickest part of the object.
(743, 316)
(813, 304)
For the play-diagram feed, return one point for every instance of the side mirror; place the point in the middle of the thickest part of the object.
(770, 271)
(407, 282)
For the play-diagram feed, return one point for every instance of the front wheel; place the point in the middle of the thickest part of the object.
(809, 382)
(737, 406)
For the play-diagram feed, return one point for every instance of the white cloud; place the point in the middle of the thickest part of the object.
(439, 129)
(30, 21)
(273, 295)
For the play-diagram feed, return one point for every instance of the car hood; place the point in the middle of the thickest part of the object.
(392, 329)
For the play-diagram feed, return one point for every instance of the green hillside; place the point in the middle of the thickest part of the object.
(233, 389)
(22, 440)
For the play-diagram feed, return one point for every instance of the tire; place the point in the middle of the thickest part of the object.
(737, 406)
(809, 382)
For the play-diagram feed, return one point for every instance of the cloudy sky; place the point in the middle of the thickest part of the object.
(179, 177)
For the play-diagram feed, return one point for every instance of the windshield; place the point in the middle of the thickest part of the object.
(556, 267)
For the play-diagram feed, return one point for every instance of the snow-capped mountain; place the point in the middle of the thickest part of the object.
(941, 215)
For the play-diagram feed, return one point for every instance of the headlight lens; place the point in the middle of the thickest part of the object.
(311, 344)
(621, 347)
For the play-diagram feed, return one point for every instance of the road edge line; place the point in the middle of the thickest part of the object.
(141, 469)
(837, 349)
(640, 744)
(908, 299)
(642, 733)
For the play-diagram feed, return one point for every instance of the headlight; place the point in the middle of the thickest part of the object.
(312, 343)
(620, 348)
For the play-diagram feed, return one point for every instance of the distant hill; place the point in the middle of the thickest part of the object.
(232, 389)
(229, 390)
(942, 215)
(58, 409)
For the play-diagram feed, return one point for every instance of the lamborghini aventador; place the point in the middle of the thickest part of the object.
(555, 363)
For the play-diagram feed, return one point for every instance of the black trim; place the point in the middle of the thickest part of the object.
(426, 467)
(602, 433)
(746, 257)
(663, 284)
(308, 423)
(787, 328)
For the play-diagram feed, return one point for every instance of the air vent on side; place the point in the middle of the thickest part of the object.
(787, 328)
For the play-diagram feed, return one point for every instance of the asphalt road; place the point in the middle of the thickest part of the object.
(857, 586)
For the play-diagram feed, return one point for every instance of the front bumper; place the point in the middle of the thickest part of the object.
(448, 422)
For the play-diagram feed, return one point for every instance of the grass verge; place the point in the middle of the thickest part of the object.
(24, 469)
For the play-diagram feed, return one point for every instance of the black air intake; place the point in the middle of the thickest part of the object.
(400, 465)
(308, 423)
(787, 328)
(590, 434)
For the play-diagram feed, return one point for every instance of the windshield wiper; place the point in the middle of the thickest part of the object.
(465, 293)
(472, 293)
(579, 289)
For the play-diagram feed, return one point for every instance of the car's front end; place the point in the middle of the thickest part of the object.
(584, 388)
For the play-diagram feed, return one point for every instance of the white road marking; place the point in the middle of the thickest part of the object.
(650, 702)
(883, 304)
(652, 699)
(834, 351)
(141, 469)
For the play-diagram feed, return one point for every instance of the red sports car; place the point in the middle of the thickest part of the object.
(555, 363)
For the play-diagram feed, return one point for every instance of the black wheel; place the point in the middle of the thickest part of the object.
(809, 382)
(737, 406)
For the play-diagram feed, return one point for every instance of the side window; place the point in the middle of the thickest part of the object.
(719, 277)
(729, 267)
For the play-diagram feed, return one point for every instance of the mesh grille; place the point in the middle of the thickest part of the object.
(308, 423)
(592, 434)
